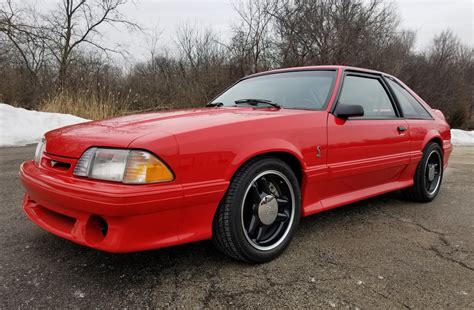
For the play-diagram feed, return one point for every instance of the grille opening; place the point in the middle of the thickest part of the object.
(59, 165)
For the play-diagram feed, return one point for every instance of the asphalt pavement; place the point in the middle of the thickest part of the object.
(383, 252)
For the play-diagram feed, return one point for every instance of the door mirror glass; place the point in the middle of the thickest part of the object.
(349, 110)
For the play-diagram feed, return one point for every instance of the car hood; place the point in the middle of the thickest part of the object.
(72, 141)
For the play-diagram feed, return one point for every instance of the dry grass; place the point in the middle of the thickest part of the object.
(85, 104)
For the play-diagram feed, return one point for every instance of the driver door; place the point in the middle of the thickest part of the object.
(366, 151)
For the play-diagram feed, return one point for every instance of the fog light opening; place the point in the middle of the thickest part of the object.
(96, 229)
(103, 226)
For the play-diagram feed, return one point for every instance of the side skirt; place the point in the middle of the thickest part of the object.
(348, 198)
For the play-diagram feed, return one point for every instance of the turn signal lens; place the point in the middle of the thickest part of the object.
(143, 167)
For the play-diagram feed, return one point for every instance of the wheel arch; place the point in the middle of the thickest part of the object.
(433, 136)
(438, 141)
(277, 148)
(290, 159)
(291, 156)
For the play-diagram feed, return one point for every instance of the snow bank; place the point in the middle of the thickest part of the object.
(462, 137)
(20, 127)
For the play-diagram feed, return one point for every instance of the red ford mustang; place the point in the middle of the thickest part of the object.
(272, 148)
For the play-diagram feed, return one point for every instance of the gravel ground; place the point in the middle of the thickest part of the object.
(383, 252)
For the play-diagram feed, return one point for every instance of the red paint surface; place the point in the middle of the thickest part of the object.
(204, 148)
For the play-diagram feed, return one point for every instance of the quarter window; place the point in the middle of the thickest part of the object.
(411, 108)
(370, 94)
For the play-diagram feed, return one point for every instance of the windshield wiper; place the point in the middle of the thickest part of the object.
(215, 104)
(255, 102)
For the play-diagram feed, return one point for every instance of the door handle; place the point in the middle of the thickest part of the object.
(401, 128)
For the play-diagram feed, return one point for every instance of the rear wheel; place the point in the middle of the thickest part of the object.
(428, 175)
(260, 212)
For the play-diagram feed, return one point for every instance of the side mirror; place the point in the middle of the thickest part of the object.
(349, 110)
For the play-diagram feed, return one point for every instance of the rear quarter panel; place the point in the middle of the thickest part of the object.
(424, 131)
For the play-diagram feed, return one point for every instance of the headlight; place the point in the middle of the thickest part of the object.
(109, 164)
(39, 151)
(127, 166)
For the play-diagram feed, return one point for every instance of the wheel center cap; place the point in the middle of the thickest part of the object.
(431, 172)
(268, 210)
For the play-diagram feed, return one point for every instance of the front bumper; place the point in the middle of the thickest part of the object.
(114, 217)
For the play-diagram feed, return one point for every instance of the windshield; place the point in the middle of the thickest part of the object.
(291, 90)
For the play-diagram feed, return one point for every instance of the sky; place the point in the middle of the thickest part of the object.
(426, 17)
(430, 17)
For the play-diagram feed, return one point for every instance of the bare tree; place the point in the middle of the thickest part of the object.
(152, 39)
(78, 22)
(448, 77)
(251, 45)
(201, 61)
(61, 31)
(20, 30)
(334, 31)
(444, 49)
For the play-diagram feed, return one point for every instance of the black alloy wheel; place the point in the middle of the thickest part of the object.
(428, 175)
(433, 169)
(259, 215)
(268, 208)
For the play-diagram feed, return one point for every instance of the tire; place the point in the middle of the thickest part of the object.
(423, 190)
(243, 228)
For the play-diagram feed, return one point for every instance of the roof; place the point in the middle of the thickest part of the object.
(308, 68)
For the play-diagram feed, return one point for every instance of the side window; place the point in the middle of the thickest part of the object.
(411, 108)
(370, 94)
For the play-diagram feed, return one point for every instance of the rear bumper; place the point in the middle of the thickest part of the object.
(116, 217)
(447, 150)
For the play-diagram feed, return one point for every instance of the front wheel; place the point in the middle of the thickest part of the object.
(260, 212)
(428, 175)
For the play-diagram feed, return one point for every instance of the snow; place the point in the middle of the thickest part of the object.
(462, 137)
(20, 127)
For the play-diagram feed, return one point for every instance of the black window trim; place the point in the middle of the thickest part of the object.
(388, 77)
(256, 75)
(371, 75)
